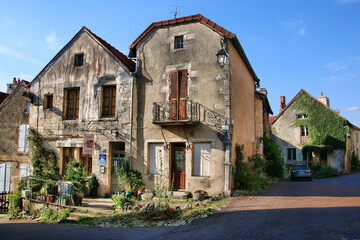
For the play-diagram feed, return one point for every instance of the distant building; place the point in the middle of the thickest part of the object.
(296, 130)
(14, 125)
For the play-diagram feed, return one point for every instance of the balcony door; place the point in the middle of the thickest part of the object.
(178, 94)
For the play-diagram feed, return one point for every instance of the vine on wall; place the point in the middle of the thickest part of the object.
(327, 130)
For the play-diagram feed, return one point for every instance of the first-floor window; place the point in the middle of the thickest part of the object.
(156, 158)
(291, 153)
(86, 162)
(24, 170)
(201, 159)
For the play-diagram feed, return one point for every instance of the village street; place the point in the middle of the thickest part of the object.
(321, 209)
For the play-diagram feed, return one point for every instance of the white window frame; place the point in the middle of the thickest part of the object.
(201, 159)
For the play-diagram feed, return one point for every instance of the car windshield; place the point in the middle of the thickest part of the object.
(301, 167)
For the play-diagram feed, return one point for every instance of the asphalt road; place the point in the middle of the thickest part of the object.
(321, 209)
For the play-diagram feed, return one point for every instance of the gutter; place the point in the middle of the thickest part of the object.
(133, 74)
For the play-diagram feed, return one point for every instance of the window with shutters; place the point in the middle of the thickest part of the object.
(72, 98)
(178, 95)
(201, 159)
(23, 138)
(156, 158)
(108, 101)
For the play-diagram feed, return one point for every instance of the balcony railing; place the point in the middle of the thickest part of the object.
(186, 112)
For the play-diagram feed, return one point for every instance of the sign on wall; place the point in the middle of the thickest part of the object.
(102, 159)
(88, 147)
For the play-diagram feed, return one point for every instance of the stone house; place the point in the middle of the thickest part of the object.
(81, 105)
(195, 100)
(308, 131)
(14, 122)
(263, 110)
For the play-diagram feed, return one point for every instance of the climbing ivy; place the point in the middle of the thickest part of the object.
(44, 160)
(327, 130)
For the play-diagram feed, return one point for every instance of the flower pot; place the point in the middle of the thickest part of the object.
(50, 198)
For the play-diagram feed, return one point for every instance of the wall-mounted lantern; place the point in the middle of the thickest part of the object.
(348, 134)
(222, 57)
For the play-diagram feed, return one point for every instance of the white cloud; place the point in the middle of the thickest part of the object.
(335, 66)
(297, 26)
(354, 109)
(52, 41)
(7, 51)
(347, 1)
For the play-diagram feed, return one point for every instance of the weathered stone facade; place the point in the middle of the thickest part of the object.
(102, 66)
(13, 114)
(222, 95)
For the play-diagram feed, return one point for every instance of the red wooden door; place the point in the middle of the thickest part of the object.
(178, 94)
(178, 165)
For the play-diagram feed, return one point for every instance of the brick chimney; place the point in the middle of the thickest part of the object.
(282, 103)
(12, 86)
(323, 99)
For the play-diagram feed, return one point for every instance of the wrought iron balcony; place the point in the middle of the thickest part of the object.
(186, 112)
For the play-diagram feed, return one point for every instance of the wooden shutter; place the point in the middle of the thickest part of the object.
(173, 95)
(178, 94)
(182, 76)
(156, 156)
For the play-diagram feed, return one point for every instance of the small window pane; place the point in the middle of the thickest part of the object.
(179, 42)
(79, 60)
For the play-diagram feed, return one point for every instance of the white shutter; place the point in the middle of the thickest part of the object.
(201, 159)
(155, 157)
(23, 141)
(24, 171)
(4, 177)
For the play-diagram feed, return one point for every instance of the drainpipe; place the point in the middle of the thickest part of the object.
(133, 74)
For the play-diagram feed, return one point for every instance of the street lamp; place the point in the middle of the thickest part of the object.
(221, 57)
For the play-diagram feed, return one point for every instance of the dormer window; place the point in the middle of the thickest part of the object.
(179, 42)
(79, 60)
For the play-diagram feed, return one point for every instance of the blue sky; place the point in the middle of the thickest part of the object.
(291, 44)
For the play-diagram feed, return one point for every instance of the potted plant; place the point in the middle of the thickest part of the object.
(93, 184)
(77, 175)
(51, 192)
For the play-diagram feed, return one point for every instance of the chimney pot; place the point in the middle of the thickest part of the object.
(282, 103)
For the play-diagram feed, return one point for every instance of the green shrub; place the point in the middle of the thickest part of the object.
(51, 189)
(48, 214)
(65, 213)
(249, 175)
(77, 175)
(15, 203)
(119, 200)
(355, 162)
(319, 172)
(128, 178)
(272, 153)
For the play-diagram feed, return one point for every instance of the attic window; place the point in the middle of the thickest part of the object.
(79, 60)
(301, 116)
(179, 42)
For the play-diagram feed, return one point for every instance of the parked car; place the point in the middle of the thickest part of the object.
(300, 172)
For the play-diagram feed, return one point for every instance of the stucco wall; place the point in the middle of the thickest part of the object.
(208, 84)
(242, 89)
(99, 69)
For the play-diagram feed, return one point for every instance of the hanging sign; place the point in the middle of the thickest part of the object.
(102, 159)
(88, 147)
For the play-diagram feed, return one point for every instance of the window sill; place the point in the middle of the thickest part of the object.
(201, 177)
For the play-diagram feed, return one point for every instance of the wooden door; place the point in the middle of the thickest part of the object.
(178, 165)
(178, 94)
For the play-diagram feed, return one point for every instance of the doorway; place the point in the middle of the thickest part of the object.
(178, 165)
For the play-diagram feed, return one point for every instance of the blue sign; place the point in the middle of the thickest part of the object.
(102, 159)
